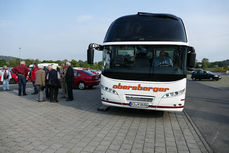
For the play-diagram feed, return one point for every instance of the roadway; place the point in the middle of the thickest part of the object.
(208, 108)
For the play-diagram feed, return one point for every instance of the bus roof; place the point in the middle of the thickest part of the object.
(147, 27)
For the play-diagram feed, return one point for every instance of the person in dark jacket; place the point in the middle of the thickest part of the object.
(22, 72)
(69, 79)
(47, 92)
(62, 78)
(53, 83)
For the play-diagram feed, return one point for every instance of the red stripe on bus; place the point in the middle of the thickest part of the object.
(166, 106)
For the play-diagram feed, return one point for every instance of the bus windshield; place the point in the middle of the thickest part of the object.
(145, 62)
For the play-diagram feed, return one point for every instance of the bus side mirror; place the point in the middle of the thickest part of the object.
(191, 57)
(90, 54)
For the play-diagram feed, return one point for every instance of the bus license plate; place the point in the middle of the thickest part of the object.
(140, 104)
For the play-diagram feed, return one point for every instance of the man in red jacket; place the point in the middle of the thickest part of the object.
(32, 79)
(22, 72)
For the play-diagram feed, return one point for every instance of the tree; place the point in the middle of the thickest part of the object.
(37, 61)
(80, 63)
(2, 62)
(74, 63)
(100, 62)
(12, 63)
(29, 61)
(205, 63)
(59, 62)
(85, 65)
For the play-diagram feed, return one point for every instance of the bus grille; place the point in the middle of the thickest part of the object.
(139, 98)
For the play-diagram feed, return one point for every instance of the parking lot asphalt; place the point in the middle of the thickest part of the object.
(30, 127)
(208, 107)
(220, 84)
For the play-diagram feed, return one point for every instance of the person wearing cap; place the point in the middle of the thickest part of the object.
(40, 82)
(5, 79)
(22, 72)
(32, 79)
(69, 78)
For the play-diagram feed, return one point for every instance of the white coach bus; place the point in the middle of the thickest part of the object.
(145, 57)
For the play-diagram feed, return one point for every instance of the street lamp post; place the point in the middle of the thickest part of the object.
(19, 54)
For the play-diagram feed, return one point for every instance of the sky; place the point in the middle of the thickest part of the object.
(63, 29)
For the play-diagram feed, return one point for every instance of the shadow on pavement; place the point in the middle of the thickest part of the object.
(89, 100)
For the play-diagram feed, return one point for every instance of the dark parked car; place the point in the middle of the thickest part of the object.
(201, 75)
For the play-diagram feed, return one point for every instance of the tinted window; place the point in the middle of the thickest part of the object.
(76, 73)
(209, 72)
(88, 73)
(146, 28)
(194, 72)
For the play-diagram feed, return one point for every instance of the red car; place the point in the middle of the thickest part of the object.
(84, 78)
(97, 72)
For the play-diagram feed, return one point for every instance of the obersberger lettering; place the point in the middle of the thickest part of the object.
(139, 87)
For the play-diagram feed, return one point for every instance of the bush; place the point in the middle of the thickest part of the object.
(218, 69)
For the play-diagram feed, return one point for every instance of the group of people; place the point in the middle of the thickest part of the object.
(44, 79)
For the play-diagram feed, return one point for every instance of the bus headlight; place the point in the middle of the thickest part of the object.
(173, 94)
(108, 90)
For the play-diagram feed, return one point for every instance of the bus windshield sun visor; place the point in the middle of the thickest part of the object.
(158, 15)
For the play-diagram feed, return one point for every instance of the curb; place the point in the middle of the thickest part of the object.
(206, 145)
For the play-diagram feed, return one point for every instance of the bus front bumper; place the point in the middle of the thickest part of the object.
(149, 107)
